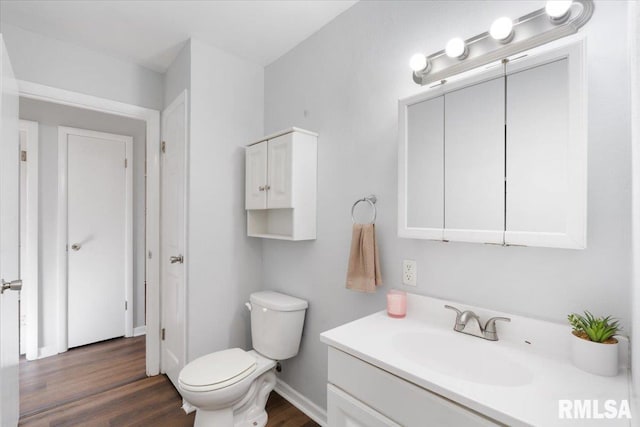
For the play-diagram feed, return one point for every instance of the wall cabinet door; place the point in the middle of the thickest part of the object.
(256, 176)
(546, 158)
(279, 194)
(425, 167)
(474, 163)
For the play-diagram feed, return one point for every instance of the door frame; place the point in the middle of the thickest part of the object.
(151, 117)
(29, 295)
(63, 226)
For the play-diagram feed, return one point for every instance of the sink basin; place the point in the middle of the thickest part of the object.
(462, 356)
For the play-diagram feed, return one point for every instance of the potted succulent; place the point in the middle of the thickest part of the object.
(594, 347)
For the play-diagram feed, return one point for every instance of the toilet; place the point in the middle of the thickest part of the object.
(229, 388)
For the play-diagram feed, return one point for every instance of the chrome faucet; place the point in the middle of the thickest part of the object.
(469, 323)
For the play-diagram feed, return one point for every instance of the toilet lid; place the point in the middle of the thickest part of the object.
(217, 370)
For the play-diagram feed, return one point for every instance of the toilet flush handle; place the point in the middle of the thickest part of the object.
(248, 305)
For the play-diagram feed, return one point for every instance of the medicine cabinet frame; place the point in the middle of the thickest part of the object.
(574, 234)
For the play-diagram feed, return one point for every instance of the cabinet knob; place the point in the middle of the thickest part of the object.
(261, 188)
(267, 187)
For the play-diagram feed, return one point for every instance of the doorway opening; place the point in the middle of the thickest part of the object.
(141, 300)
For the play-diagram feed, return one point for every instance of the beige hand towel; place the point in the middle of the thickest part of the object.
(364, 267)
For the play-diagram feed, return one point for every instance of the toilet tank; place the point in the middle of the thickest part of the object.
(276, 324)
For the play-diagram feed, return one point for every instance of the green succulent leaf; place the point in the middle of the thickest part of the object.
(598, 329)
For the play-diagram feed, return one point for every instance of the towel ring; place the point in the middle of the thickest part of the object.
(372, 201)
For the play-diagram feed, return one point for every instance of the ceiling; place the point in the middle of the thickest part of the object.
(151, 33)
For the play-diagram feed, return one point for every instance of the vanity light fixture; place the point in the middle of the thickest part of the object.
(419, 62)
(502, 30)
(558, 10)
(559, 18)
(456, 48)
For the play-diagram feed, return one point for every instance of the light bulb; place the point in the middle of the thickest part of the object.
(502, 29)
(418, 62)
(456, 48)
(558, 10)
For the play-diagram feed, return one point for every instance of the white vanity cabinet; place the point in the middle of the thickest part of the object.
(362, 395)
(498, 155)
(280, 185)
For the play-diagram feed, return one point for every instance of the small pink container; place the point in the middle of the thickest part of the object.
(396, 303)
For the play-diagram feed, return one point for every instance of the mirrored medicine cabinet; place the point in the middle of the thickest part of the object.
(499, 155)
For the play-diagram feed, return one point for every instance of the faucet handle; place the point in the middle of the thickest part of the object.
(458, 326)
(458, 312)
(490, 326)
(490, 332)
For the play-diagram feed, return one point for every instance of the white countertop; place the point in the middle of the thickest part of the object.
(536, 352)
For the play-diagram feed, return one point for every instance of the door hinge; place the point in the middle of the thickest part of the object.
(126, 305)
(164, 147)
(23, 155)
(162, 332)
(126, 163)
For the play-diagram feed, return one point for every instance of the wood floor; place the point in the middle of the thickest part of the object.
(105, 384)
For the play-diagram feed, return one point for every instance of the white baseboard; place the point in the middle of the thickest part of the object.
(50, 350)
(139, 330)
(313, 411)
(188, 407)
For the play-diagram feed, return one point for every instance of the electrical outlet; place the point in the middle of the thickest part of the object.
(409, 272)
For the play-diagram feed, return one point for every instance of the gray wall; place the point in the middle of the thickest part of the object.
(223, 265)
(634, 45)
(51, 62)
(225, 110)
(178, 75)
(344, 82)
(50, 116)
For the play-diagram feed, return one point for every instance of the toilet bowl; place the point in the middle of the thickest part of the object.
(230, 388)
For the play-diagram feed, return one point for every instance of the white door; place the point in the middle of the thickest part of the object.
(97, 235)
(172, 238)
(9, 240)
(256, 176)
(279, 190)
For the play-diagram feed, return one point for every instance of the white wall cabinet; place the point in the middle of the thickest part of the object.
(280, 186)
(499, 155)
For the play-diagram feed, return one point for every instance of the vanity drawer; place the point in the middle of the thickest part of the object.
(397, 399)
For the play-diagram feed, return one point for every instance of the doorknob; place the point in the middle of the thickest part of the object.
(176, 259)
(14, 285)
(76, 246)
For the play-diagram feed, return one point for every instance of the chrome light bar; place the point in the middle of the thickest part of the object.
(529, 31)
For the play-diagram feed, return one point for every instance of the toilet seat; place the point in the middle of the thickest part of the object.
(217, 370)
